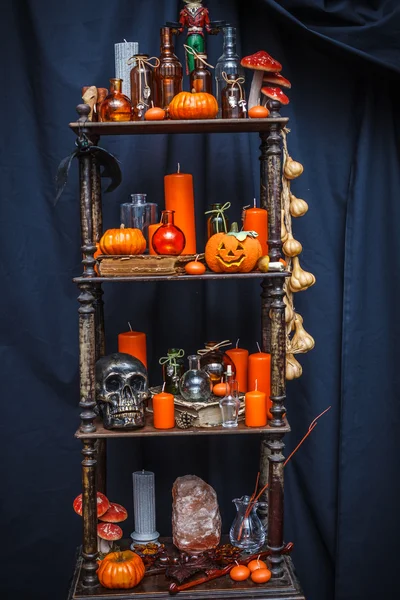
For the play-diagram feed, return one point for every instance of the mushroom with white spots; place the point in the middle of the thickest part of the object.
(107, 534)
(275, 93)
(260, 62)
(103, 504)
(115, 514)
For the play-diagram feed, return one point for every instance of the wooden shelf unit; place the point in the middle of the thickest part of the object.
(93, 436)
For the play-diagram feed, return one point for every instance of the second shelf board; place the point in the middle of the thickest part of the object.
(205, 277)
(188, 126)
(149, 431)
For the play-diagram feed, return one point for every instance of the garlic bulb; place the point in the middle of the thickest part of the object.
(301, 341)
(292, 168)
(291, 247)
(300, 280)
(284, 233)
(289, 312)
(294, 369)
(297, 207)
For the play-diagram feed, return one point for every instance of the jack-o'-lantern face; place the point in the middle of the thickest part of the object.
(231, 252)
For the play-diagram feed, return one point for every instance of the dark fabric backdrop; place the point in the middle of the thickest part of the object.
(342, 58)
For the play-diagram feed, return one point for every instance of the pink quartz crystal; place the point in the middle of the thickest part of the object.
(196, 522)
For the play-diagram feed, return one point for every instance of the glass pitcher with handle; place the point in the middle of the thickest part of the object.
(247, 531)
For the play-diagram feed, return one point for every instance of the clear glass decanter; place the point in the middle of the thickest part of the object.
(247, 531)
(195, 385)
(230, 404)
(228, 62)
(139, 214)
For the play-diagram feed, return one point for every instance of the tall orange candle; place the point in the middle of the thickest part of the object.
(255, 409)
(163, 411)
(133, 343)
(240, 358)
(259, 368)
(179, 197)
(152, 229)
(256, 219)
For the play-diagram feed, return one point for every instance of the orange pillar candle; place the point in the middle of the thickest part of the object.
(256, 219)
(133, 343)
(163, 411)
(179, 197)
(259, 368)
(255, 409)
(152, 229)
(240, 358)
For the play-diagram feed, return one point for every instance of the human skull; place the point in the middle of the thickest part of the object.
(121, 389)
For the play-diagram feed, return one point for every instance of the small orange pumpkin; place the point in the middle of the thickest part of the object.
(154, 114)
(258, 112)
(233, 252)
(122, 241)
(121, 570)
(221, 389)
(187, 105)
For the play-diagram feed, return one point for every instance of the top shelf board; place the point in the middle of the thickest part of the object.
(192, 126)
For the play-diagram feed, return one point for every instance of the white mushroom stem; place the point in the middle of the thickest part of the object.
(103, 546)
(255, 89)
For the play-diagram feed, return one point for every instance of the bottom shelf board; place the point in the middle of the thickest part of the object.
(156, 586)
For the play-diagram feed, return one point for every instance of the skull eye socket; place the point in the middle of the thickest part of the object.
(137, 383)
(113, 383)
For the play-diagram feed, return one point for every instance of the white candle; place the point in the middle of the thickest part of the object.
(123, 52)
(144, 506)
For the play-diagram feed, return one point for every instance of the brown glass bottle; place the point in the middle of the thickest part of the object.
(232, 100)
(169, 74)
(116, 106)
(142, 87)
(200, 77)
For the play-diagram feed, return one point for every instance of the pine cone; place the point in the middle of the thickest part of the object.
(184, 420)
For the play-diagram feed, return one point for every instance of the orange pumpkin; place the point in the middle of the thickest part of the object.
(258, 112)
(122, 241)
(121, 570)
(154, 114)
(186, 105)
(233, 252)
(195, 267)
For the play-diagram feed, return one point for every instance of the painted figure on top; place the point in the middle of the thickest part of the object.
(195, 17)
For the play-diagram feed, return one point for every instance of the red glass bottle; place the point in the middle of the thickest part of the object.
(116, 106)
(168, 239)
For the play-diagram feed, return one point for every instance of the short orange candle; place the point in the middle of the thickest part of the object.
(179, 197)
(133, 343)
(152, 229)
(255, 409)
(259, 368)
(163, 411)
(240, 358)
(256, 219)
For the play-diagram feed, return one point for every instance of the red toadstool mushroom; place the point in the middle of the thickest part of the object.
(107, 533)
(277, 78)
(259, 62)
(115, 514)
(275, 93)
(102, 504)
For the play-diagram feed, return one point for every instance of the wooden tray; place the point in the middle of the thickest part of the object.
(144, 264)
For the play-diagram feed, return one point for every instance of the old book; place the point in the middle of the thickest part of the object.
(143, 264)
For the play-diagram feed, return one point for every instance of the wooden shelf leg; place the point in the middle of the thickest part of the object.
(89, 514)
(275, 503)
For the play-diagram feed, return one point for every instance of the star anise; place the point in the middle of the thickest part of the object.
(183, 571)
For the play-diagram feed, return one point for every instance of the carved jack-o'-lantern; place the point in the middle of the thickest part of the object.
(233, 252)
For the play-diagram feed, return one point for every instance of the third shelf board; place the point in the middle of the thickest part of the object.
(149, 431)
(192, 126)
(205, 277)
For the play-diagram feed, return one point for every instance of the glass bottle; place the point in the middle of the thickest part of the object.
(169, 74)
(142, 86)
(116, 106)
(247, 531)
(230, 403)
(200, 77)
(216, 223)
(168, 239)
(228, 62)
(215, 363)
(173, 369)
(233, 99)
(195, 385)
(139, 213)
